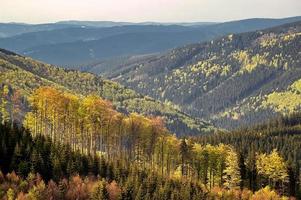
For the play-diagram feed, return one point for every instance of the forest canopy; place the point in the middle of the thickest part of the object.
(68, 135)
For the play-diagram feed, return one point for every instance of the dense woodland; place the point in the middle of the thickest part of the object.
(24, 74)
(282, 133)
(226, 80)
(66, 134)
(40, 169)
(131, 156)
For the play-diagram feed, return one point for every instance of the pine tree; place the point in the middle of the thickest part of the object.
(110, 173)
(127, 191)
(37, 161)
(71, 168)
(102, 167)
(140, 193)
(17, 156)
(57, 169)
(184, 156)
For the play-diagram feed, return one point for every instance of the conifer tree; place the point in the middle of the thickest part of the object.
(184, 155)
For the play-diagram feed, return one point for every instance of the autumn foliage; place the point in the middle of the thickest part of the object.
(85, 149)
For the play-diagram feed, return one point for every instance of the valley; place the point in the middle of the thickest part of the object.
(106, 110)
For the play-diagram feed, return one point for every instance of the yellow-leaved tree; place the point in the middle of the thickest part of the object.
(232, 177)
(272, 167)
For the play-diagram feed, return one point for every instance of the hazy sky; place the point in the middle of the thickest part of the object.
(40, 11)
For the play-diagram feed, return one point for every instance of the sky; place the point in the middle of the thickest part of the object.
(43, 11)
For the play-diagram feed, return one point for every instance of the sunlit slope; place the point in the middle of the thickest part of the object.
(226, 80)
(26, 74)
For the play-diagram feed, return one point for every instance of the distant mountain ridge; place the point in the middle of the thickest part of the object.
(14, 28)
(112, 23)
(76, 34)
(82, 43)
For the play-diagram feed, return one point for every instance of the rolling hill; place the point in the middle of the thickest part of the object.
(83, 43)
(13, 29)
(25, 74)
(238, 79)
(76, 33)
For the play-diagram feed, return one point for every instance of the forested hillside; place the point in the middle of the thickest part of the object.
(80, 148)
(21, 75)
(66, 134)
(239, 79)
(282, 133)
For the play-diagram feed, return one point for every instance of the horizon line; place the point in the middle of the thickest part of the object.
(141, 22)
